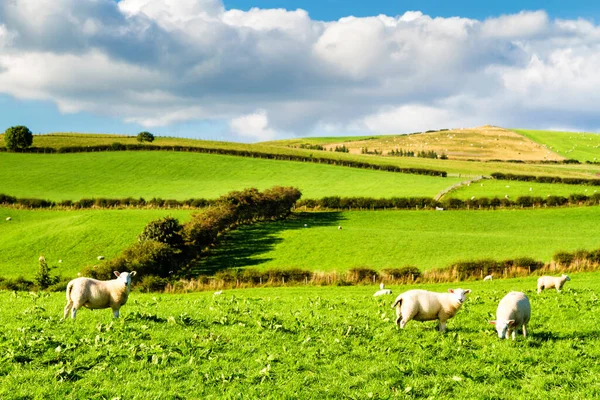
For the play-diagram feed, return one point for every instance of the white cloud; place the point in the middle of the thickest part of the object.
(161, 62)
(255, 126)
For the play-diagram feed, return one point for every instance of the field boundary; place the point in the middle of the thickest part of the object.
(444, 192)
(233, 152)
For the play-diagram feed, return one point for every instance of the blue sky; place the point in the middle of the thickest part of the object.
(329, 10)
(248, 71)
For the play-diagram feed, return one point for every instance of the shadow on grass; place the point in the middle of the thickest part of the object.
(243, 247)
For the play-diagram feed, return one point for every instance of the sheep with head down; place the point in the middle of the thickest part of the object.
(422, 305)
(95, 294)
(513, 312)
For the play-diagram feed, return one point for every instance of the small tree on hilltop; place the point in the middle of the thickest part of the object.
(145, 137)
(18, 137)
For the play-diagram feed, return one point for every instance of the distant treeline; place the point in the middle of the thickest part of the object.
(329, 202)
(421, 153)
(233, 152)
(546, 179)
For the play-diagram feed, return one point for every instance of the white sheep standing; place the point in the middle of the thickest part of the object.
(513, 312)
(488, 277)
(422, 305)
(95, 294)
(382, 291)
(549, 282)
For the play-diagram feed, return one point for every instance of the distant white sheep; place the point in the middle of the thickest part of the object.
(95, 294)
(339, 227)
(8, 218)
(382, 291)
(439, 209)
(100, 257)
(513, 312)
(488, 278)
(422, 305)
(549, 282)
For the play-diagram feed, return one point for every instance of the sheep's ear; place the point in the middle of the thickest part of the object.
(467, 291)
(450, 290)
(492, 322)
(511, 322)
(132, 273)
(117, 273)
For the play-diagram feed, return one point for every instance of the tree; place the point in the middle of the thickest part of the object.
(18, 137)
(145, 137)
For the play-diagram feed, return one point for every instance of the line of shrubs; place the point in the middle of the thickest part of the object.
(166, 248)
(102, 202)
(567, 161)
(233, 152)
(546, 179)
(328, 202)
(406, 203)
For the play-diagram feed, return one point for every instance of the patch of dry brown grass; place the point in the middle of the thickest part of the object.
(481, 143)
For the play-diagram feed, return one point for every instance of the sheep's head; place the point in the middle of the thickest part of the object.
(566, 277)
(125, 277)
(502, 327)
(459, 294)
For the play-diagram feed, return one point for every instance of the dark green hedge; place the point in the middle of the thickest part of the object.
(546, 179)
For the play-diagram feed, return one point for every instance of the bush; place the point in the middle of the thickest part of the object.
(563, 258)
(166, 230)
(408, 271)
(145, 137)
(43, 278)
(18, 137)
(152, 283)
(360, 274)
(18, 284)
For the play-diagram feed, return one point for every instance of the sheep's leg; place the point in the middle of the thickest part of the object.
(73, 313)
(525, 331)
(442, 326)
(67, 308)
(514, 334)
(116, 313)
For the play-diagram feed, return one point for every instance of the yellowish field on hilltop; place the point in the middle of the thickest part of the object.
(482, 143)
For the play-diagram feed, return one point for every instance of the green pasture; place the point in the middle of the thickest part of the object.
(75, 237)
(390, 239)
(454, 167)
(178, 175)
(513, 189)
(300, 342)
(580, 146)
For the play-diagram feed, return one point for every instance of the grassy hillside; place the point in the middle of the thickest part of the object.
(452, 166)
(301, 343)
(185, 175)
(513, 189)
(377, 239)
(576, 145)
(75, 237)
(426, 239)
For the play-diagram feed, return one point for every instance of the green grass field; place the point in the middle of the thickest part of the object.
(514, 189)
(576, 145)
(455, 167)
(175, 175)
(75, 237)
(389, 239)
(300, 343)
(376, 239)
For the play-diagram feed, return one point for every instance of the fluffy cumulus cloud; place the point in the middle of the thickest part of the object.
(268, 73)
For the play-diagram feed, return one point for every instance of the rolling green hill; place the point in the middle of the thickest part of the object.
(576, 145)
(180, 175)
(75, 237)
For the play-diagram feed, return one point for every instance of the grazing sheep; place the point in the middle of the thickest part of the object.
(382, 291)
(8, 218)
(340, 227)
(549, 282)
(94, 294)
(513, 312)
(100, 257)
(488, 278)
(422, 305)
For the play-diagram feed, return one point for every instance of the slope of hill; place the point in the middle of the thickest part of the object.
(481, 143)
(180, 175)
(575, 145)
